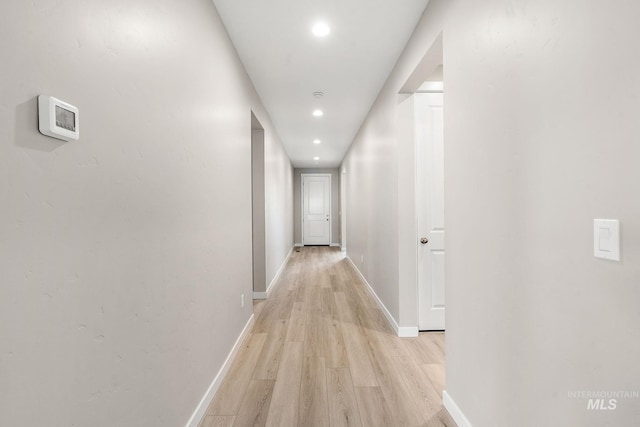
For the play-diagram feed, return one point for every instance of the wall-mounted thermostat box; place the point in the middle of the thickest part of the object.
(58, 119)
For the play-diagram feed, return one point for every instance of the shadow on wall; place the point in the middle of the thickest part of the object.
(26, 133)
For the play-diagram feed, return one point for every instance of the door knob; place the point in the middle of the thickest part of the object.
(424, 240)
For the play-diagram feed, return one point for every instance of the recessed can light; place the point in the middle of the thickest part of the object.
(318, 113)
(316, 158)
(316, 141)
(320, 29)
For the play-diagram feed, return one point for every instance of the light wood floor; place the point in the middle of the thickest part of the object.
(321, 353)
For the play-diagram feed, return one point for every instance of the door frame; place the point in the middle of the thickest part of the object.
(302, 191)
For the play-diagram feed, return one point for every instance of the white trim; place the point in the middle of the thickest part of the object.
(298, 245)
(260, 295)
(335, 245)
(265, 295)
(201, 409)
(454, 410)
(343, 209)
(431, 87)
(401, 331)
(407, 331)
(302, 175)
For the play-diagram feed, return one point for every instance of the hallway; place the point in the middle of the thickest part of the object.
(321, 353)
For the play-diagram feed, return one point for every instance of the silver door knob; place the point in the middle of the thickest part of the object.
(424, 240)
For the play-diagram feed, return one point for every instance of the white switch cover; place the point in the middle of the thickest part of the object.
(606, 239)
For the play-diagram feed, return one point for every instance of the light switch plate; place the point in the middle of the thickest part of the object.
(606, 239)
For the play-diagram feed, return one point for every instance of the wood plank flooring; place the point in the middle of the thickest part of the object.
(321, 353)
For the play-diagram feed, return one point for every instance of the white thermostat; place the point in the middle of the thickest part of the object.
(58, 119)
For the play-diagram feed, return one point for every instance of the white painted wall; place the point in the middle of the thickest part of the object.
(533, 154)
(278, 204)
(123, 255)
(372, 221)
(542, 153)
(381, 184)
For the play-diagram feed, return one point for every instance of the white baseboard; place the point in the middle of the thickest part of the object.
(280, 270)
(201, 409)
(401, 331)
(407, 331)
(265, 295)
(260, 295)
(454, 410)
(300, 245)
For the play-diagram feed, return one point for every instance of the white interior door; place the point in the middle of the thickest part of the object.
(430, 205)
(316, 209)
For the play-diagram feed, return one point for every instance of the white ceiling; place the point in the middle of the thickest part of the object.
(287, 63)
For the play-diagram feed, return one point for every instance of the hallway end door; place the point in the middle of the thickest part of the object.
(316, 209)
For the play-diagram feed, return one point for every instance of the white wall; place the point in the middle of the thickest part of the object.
(123, 255)
(278, 204)
(534, 151)
(381, 184)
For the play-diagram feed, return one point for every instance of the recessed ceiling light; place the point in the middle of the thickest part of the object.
(316, 158)
(318, 94)
(318, 113)
(316, 141)
(320, 29)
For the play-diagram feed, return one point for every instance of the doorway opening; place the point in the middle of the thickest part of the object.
(343, 210)
(430, 203)
(421, 114)
(258, 210)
